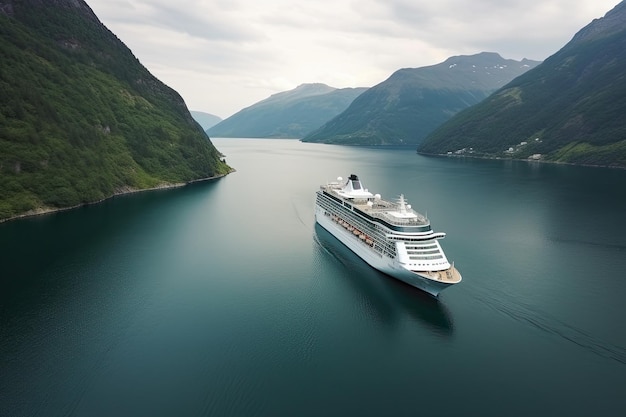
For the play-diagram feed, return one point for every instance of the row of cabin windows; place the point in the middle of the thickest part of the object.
(422, 252)
(359, 224)
(430, 264)
(328, 196)
(410, 239)
(421, 247)
(424, 258)
(351, 218)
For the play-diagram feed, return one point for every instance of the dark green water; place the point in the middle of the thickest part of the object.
(224, 299)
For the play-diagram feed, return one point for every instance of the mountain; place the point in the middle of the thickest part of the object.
(290, 114)
(206, 120)
(407, 106)
(568, 109)
(80, 118)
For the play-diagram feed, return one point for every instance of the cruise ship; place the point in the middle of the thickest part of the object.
(389, 236)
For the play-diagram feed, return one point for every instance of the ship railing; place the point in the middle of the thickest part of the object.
(382, 214)
(380, 209)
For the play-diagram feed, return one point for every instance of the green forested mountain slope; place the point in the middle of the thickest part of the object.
(407, 106)
(569, 109)
(80, 118)
(289, 114)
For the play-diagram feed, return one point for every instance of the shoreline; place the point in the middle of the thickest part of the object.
(543, 161)
(128, 191)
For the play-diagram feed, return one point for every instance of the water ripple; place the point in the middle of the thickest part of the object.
(524, 313)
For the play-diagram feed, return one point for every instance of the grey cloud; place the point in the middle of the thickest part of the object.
(203, 26)
(183, 17)
(243, 42)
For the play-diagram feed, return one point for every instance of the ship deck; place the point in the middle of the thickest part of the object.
(449, 276)
(383, 210)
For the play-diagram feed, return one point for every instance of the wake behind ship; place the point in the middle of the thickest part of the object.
(389, 236)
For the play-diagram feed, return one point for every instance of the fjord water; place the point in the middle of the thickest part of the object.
(224, 299)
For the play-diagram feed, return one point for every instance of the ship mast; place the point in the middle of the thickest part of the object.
(402, 204)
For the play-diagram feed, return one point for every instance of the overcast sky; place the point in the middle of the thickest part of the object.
(224, 55)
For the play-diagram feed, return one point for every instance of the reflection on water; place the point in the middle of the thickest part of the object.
(389, 298)
(224, 299)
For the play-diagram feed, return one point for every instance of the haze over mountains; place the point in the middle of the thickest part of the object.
(568, 109)
(289, 114)
(80, 118)
(407, 106)
(206, 120)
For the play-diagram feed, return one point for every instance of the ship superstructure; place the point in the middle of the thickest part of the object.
(389, 236)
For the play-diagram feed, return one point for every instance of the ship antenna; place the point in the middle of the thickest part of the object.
(402, 204)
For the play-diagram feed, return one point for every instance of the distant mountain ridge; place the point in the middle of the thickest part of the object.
(301, 91)
(81, 119)
(412, 102)
(206, 120)
(568, 109)
(289, 114)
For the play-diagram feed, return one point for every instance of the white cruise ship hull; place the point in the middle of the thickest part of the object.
(380, 262)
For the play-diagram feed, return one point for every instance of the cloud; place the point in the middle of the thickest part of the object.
(224, 55)
(194, 18)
